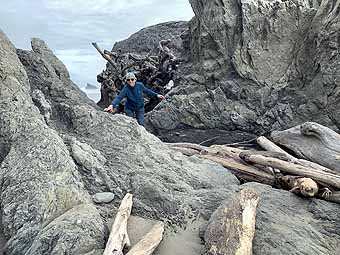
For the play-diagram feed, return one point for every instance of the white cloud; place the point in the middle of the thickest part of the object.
(69, 26)
(86, 7)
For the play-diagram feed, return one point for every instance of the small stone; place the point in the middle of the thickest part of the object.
(103, 197)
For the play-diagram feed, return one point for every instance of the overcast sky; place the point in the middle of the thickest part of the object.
(69, 26)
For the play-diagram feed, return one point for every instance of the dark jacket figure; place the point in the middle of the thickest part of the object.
(133, 91)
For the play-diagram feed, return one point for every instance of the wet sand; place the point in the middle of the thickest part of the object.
(207, 137)
(175, 241)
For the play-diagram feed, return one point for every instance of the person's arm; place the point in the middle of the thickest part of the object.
(149, 91)
(117, 100)
(120, 97)
(152, 93)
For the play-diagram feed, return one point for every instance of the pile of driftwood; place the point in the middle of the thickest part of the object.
(156, 72)
(119, 238)
(231, 228)
(276, 167)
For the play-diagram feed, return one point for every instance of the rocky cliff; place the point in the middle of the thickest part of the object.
(257, 66)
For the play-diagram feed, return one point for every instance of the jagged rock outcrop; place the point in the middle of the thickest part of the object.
(257, 66)
(149, 37)
(50, 168)
(44, 206)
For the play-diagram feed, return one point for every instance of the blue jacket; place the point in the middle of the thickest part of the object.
(134, 95)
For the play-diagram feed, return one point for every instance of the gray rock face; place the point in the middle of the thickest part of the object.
(44, 207)
(287, 224)
(48, 170)
(148, 38)
(257, 66)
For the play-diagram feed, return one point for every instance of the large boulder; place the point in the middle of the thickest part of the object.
(58, 149)
(44, 206)
(257, 66)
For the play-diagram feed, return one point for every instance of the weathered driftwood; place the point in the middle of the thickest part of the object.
(186, 151)
(119, 237)
(242, 170)
(331, 196)
(105, 56)
(150, 241)
(313, 142)
(225, 150)
(188, 145)
(270, 146)
(229, 158)
(231, 228)
(294, 169)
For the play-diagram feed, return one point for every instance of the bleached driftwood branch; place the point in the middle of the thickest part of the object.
(119, 238)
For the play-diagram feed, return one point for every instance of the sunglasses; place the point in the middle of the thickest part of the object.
(130, 79)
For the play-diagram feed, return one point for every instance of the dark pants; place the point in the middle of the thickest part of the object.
(137, 114)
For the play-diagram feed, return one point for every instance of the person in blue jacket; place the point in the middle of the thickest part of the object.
(133, 91)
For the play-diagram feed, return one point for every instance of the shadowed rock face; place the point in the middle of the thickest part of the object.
(59, 149)
(257, 66)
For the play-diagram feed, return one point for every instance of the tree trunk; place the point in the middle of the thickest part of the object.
(294, 169)
(242, 170)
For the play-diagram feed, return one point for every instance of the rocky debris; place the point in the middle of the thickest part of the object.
(256, 66)
(103, 197)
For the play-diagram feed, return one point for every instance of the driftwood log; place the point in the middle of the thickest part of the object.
(150, 241)
(270, 146)
(119, 238)
(105, 56)
(231, 228)
(313, 142)
(242, 170)
(273, 167)
(293, 169)
(229, 159)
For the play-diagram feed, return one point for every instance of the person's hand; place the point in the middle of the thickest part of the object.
(161, 97)
(109, 109)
